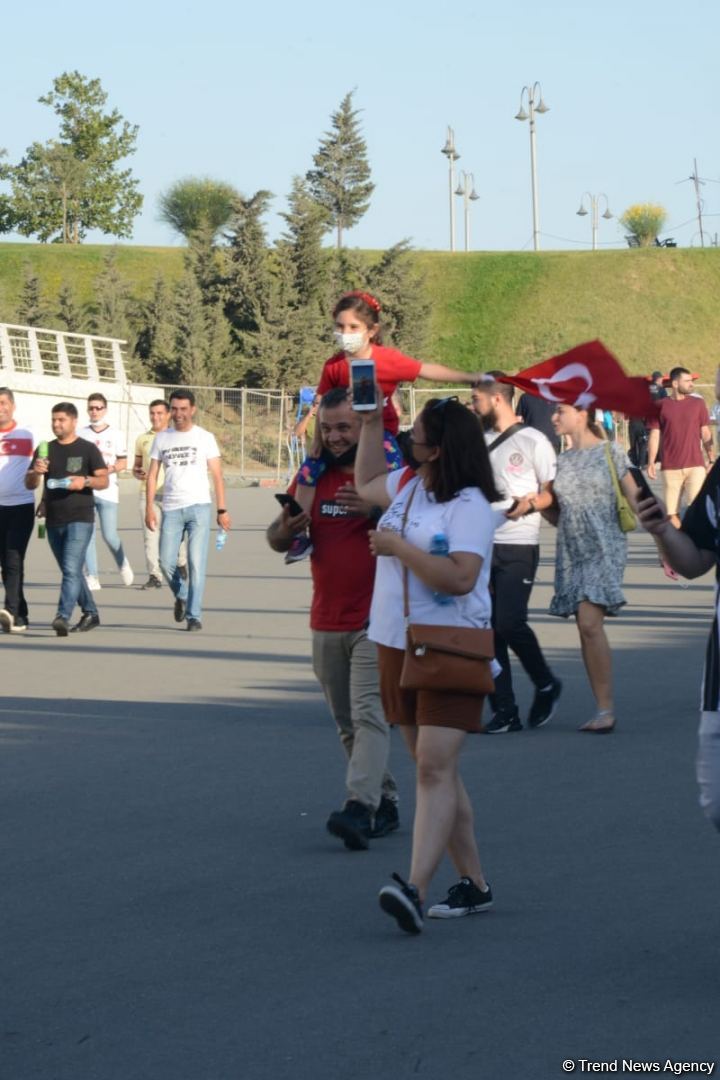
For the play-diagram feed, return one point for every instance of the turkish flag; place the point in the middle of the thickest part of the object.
(590, 377)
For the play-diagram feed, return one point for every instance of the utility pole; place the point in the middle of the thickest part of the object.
(697, 182)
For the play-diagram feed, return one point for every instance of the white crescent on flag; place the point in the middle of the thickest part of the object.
(566, 374)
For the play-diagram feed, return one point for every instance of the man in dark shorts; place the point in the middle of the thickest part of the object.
(78, 469)
(344, 660)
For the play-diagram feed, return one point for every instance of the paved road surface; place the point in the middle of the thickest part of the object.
(172, 908)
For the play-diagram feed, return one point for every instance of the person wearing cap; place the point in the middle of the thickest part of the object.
(657, 390)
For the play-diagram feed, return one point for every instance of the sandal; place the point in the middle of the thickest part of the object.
(591, 728)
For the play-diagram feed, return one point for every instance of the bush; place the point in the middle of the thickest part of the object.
(645, 221)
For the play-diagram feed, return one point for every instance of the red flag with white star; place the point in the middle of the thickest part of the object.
(590, 377)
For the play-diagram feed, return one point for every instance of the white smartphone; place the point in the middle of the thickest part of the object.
(362, 382)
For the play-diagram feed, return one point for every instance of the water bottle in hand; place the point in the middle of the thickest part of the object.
(221, 539)
(63, 483)
(439, 546)
(43, 450)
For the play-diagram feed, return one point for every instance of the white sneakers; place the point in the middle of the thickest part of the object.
(92, 583)
(126, 573)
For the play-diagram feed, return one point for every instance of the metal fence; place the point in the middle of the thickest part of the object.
(31, 350)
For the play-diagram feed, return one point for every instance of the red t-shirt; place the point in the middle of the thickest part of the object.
(680, 423)
(391, 367)
(343, 570)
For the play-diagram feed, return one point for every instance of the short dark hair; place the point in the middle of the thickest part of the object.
(490, 385)
(159, 401)
(677, 372)
(5, 391)
(182, 395)
(66, 407)
(334, 397)
(464, 460)
(97, 397)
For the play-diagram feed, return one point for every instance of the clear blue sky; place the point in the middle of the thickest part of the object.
(242, 92)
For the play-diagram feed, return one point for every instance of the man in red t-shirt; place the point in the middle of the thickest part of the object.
(344, 660)
(684, 424)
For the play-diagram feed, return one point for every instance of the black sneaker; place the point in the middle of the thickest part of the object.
(387, 818)
(60, 626)
(194, 624)
(179, 610)
(19, 625)
(353, 824)
(504, 721)
(403, 903)
(152, 583)
(87, 622)
(543, 706)
(462, 899)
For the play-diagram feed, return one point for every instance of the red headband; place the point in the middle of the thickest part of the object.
(367, 298)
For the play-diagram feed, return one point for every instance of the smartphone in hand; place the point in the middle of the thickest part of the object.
(646, 491)
(362, 384)
(287, 500)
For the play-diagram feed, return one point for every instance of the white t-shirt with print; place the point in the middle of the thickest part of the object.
(521, 465)
(469, 523)
(184, 455)
(16, 451)
(112, 445)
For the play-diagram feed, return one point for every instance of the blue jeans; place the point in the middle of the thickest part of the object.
(68, 544)
(194, 523)
(107, 513)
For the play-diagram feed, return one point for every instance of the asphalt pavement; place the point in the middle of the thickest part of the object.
(173, 909)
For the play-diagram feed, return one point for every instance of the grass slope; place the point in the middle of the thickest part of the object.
(653, 308)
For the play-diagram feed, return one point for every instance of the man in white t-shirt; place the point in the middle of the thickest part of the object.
(110, 441)
(187, 453)
(17, 512)
(524, 465)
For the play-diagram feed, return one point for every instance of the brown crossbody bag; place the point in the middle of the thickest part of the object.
(454, 658)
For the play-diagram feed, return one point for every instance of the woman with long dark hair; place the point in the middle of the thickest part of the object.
(440, 506)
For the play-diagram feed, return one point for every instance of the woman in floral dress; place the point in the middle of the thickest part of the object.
(591, 547)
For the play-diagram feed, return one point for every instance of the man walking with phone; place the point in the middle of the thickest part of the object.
(344, 660)
(524, 465)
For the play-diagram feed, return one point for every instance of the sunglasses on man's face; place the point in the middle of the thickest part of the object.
(96, 408)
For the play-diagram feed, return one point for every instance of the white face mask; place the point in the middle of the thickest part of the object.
(349, 343)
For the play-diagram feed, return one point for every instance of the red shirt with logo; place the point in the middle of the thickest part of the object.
(343, 570)
(680, 423)
(391, 367)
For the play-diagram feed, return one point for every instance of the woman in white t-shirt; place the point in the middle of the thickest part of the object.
(451, 490)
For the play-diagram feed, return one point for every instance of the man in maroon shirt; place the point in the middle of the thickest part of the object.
(344, 660)
(684, 425)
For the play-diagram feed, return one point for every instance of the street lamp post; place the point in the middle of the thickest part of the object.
(466, 189)
(452, 156)
(594, 206)
(540, 107)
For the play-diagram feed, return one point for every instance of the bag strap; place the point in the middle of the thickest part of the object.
(406, 587)
(613, 473)
(507, 434)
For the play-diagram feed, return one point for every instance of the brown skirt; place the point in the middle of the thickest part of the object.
(431, 708)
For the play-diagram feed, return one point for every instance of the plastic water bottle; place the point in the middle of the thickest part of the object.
(221, 539)
(42, 531)
(63, 483)
(440, 546)
(43, 450)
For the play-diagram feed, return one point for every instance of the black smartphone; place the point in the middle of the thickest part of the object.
(646, 492)
(362, 382)
(287, 500)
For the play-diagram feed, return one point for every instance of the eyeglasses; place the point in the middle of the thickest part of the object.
(96, 408)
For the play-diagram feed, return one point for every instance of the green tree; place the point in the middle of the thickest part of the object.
(157, 344)
(7, 217)
(405, 304)
(32, 306)
(64, 187)
(645, 221)
(340, 182)
(198, 206)
(70, 314)
(202, 337)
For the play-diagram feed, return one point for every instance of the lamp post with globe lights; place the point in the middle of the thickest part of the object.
(535, 104)
(452, 155)
(466, 190)
(594, 207)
